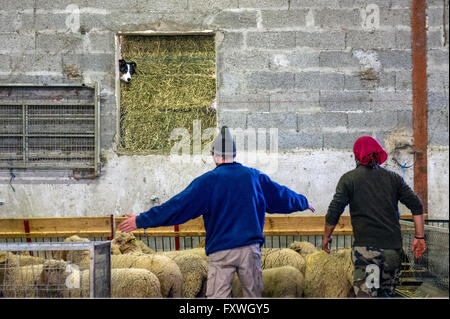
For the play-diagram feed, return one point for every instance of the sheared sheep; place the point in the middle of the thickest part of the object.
(304, 248)
(163, 267)
(329, 275)
(278, 257)
(279, 282)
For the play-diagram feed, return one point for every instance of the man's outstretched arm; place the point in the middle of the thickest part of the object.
(189, 204)
(282, 200)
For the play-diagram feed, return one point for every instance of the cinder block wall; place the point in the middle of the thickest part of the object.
(323, 72)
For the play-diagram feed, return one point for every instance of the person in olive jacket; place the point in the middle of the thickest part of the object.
(373, 193)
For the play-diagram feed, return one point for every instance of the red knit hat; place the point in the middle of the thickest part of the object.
(364, 148)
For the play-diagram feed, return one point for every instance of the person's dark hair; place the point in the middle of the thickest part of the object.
(374, 160)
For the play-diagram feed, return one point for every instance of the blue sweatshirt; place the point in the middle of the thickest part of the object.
(233, 200)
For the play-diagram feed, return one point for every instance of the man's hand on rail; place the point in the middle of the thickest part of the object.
(128, 224)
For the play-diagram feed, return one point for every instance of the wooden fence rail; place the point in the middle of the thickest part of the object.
(106, 226)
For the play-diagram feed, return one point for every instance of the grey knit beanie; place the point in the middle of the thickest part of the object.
(223, 144)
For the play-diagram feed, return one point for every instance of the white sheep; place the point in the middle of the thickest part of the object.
(61, 279)
(193, 266)
(163, 267)
(278, 257)
(194, 270)
(279, 282)
(304, 248)
(329, 275)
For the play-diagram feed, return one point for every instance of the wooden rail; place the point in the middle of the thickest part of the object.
(105, 226)
(51, 227)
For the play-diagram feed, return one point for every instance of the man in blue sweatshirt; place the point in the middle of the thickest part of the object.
(233, 200)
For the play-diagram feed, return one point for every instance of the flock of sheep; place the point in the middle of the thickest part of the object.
(137, 271)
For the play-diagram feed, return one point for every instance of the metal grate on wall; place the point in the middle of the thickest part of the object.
(49, 127)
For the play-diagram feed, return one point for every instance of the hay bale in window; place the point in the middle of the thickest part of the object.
(175, 84)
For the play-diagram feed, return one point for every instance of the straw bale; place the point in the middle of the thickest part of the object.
(175, 84)
(329, 275)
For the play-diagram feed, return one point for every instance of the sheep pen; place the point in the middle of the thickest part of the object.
(180, 273)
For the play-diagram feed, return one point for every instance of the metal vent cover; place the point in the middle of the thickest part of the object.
(49, 127)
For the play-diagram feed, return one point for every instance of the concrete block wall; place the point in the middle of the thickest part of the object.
(323, 72)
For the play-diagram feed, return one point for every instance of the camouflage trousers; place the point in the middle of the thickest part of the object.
(376, 272)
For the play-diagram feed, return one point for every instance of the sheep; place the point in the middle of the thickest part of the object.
(304, 248)
(125, 243)
(125, 283)
(194, 268)
(198, 252)
(78, 257)
(61, 279)
(329, 275)
(163, 267)
(10, 260)
(144, 248)
(21, 281)
(279, 282)
(278, 257)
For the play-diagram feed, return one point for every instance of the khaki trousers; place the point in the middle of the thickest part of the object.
(223, 264)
